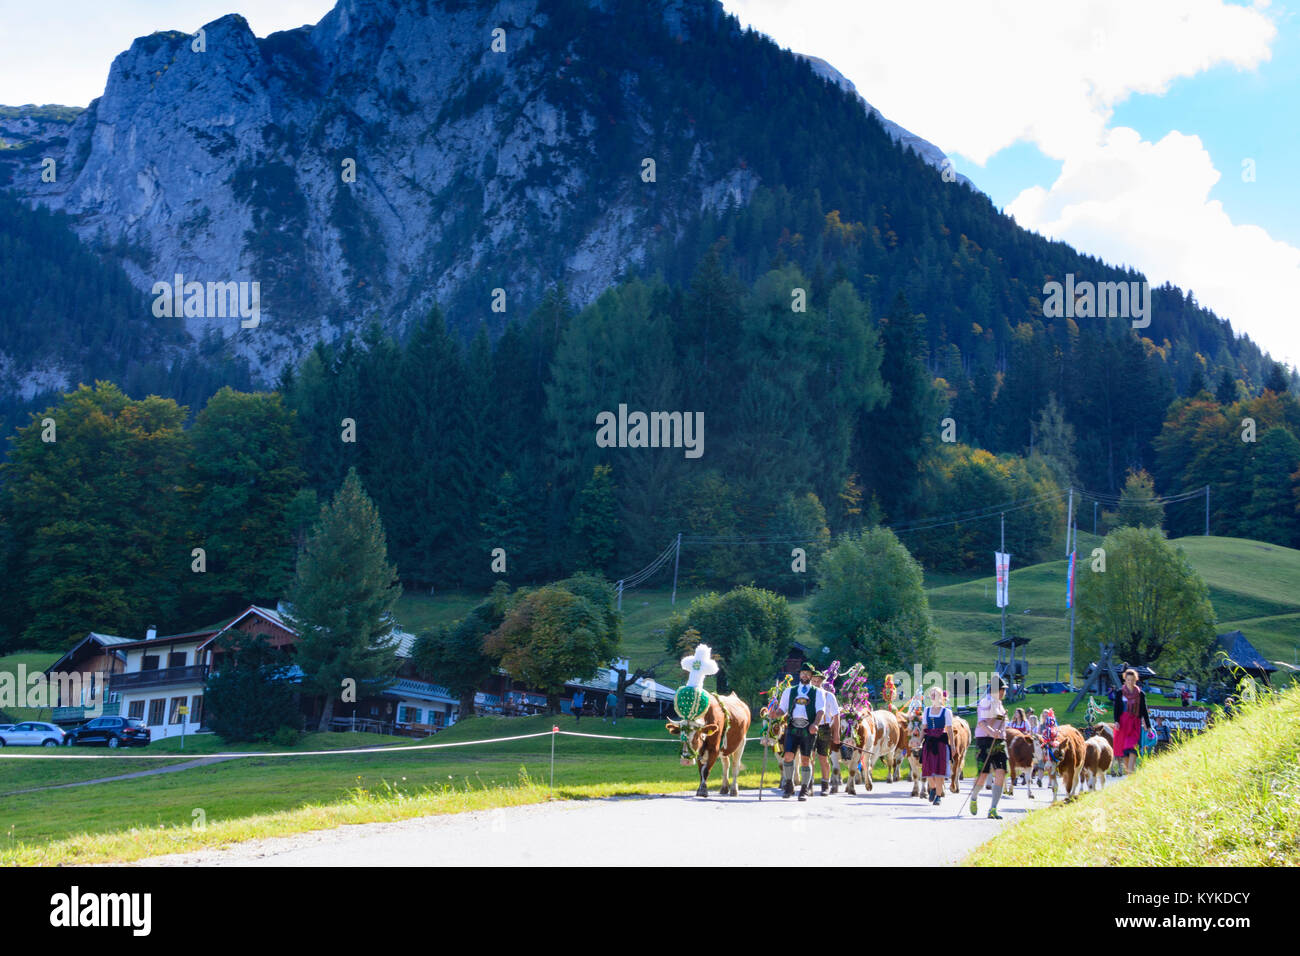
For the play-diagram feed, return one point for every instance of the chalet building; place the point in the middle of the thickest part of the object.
(161, 679)
(94, 659)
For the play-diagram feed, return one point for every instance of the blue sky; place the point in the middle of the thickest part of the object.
(1119, 127)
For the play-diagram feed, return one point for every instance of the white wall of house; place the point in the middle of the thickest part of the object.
(437, 713)
(158, 705)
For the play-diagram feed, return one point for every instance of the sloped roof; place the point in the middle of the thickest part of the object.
(606, 679)
(1243, 653)
(104, 640)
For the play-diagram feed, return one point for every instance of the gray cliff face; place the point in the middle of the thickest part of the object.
(474, 169)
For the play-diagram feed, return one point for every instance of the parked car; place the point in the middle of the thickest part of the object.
(1052, 687)
(112, 732)
(31, 733)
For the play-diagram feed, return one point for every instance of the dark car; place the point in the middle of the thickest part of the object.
(112, 732)
(1051, 687)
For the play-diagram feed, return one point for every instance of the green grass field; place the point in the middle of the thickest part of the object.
(259, 796)
(1229, 797)
(133, 818)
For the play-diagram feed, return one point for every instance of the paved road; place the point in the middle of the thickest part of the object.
(886, 826)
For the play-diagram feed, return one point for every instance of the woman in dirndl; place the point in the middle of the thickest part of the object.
(1130, 717)
(937, 745)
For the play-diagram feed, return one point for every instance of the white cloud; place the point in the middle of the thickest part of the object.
(977, 76)
(1147, 204)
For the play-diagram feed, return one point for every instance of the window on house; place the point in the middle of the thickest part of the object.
(174, 715)
(135, 709)
(437, 718)
(149, 662)
(156, 711)
(176, 659)
(196, 709)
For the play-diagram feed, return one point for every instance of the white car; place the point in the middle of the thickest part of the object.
(31, 733)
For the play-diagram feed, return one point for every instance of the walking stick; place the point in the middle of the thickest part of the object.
(975, 790)
(762, 773)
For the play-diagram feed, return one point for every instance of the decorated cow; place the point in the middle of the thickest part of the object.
(710, 726)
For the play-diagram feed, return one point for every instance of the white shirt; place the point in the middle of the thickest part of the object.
(830, 707)
(989, 709)
(800, 711)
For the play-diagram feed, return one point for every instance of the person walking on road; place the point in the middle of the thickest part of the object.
(990, 742)
(576, 705)
(1130, 717)
(937, 747)
(828, 736)
(802, 702)
(611, 708)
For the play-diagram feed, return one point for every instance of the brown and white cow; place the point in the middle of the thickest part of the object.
(961, 736)
(1065, 759)
(703, 741)
(886, 736)
(1022, 752)
(914, 739)
(862, 737)
(1097, 757)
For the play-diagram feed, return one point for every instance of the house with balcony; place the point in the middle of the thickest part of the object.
(79, 679)
(162, 682)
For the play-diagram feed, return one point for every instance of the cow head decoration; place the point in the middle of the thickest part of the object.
(693, 733)
(691, 702)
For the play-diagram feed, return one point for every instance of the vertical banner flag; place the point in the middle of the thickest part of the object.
(1003, 564)
(1069, 584)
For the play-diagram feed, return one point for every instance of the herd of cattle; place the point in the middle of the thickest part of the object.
(895, 738)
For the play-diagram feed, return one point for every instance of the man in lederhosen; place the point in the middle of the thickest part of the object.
(802, 705)
(828, 736)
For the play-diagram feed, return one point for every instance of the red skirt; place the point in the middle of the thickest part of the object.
(934, 754)
(1128, 733)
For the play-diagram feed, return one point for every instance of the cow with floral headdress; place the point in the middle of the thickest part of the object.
(711, 726)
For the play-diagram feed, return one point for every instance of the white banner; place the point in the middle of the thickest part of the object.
(1002, 562)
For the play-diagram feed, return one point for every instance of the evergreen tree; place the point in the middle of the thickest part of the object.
(893, 440)
(1054, 440)
(1138, 504)
(1269, 513)
(342, 600)
(596, 523)
(505, 526)
(1275, 379)
(251, 697)
(1225, 393)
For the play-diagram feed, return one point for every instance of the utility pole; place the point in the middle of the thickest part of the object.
(677, 558)
(1074, 598)
(620, 595)
(1069, 519)
(1094, 518)
(1207, 511)
(1006, 584)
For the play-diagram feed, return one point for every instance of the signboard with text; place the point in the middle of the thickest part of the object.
(1188, 719)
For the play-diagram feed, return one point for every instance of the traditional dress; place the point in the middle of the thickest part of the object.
(934, 749)
(1128, 733)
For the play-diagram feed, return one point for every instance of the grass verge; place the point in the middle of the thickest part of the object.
(1229, 797)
